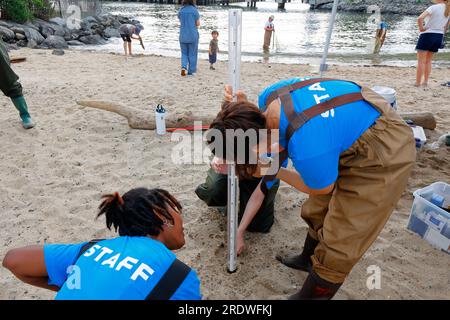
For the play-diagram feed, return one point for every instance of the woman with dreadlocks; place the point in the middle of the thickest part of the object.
(137, 265)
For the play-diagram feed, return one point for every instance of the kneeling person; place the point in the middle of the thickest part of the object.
(138, 265)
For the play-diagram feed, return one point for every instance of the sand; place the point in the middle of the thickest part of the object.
(52, 177)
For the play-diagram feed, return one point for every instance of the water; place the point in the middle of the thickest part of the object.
(300, 34)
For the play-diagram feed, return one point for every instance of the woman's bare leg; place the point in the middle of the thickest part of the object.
(428, 67)
(129, 49)
(421, 59)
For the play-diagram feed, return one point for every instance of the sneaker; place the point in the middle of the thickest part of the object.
(446, 84)
(212, 68)
(183, 72)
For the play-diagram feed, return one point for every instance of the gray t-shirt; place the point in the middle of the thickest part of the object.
(214, 46)
(126, 29)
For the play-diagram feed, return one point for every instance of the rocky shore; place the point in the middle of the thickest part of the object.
(404, 7)
(58, 34)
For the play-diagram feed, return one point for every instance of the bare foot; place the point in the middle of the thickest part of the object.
(417, 85)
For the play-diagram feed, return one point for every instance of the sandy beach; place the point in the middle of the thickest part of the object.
(52, 177)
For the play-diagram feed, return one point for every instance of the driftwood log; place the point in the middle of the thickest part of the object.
(423, 119)
(17, 60)
(145, 120)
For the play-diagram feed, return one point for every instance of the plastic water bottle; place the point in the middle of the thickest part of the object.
(160, 117)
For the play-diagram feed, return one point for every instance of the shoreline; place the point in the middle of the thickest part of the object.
(438, 64)
(53, 175)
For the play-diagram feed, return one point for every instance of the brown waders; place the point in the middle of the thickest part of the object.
(267, 39)
(214, 193)
(9, 81)
(11, 87)
(373, 174)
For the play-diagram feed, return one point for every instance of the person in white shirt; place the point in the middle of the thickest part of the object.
(269, 29)
(433, 24)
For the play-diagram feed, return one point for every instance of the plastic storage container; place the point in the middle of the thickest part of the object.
(428, 220)
(419, 136)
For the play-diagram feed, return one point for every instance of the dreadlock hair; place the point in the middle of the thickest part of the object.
(140, 212)
(239, 115)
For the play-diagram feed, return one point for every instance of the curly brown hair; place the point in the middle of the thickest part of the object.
(239, 117)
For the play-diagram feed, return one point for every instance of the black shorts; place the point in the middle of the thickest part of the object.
(430, 42)
(126, 37)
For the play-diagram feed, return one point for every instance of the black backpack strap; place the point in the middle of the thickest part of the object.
(86, 247)
(170, 281)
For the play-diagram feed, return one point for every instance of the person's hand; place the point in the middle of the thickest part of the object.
(240, 243)
(228, 95)
(422, 29)
(219, 166)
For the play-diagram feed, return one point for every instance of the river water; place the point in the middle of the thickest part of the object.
(300, 34)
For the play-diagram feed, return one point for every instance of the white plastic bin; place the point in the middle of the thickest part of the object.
(419, 136)
(429, 221)
(389, 94)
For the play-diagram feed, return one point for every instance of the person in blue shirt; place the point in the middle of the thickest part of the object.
(350, 151)
(189, 22)
(134, 266)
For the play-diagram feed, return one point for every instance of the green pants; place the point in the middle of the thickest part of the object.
(9, 81)
(214, 193)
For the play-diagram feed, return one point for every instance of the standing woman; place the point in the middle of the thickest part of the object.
(189, 22)
(433, 24)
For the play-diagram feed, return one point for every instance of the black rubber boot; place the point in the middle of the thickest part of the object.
(316, 288)
(301, 261)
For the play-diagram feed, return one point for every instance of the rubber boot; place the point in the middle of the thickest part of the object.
(302, 261)
(316, 288)
(21, 105)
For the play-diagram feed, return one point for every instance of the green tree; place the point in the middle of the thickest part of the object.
(24, 10)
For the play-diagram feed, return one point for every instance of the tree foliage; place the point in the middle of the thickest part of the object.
(24, 10)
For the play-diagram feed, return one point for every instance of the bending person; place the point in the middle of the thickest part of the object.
(351, 153)
(11, 87)
(137, 265)
(129, 32)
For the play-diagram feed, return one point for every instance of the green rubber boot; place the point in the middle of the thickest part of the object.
(21, 105)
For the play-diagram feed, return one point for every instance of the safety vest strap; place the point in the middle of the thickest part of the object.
(300, 119)
(170, 281)
(292, 87)
(166, 286)
(282, 157)
(86, 247)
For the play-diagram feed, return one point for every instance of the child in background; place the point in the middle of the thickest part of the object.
(213, 49)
